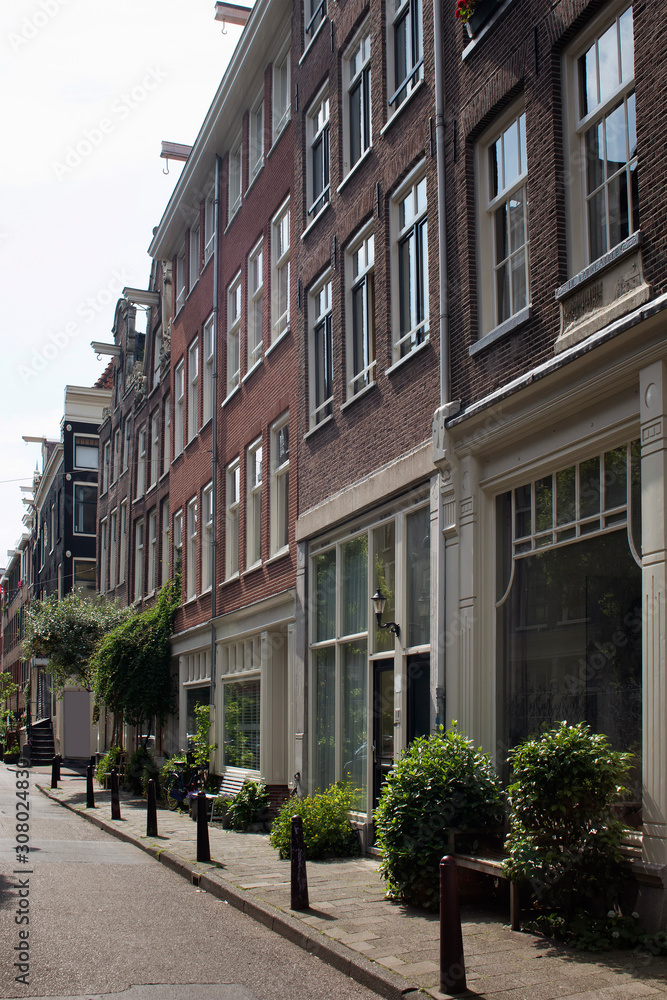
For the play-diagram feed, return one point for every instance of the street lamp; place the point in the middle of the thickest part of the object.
(379, 601)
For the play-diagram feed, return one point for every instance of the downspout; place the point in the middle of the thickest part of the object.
(443, 283)
(214, 436)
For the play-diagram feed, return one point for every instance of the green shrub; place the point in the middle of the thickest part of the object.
(563, 838)
(249, 805)
(108, 763)
(439, 782)
(327, 831)
(140, 767)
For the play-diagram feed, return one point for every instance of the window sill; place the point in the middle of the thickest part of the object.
(191, 441)
(230, 395)
(230, 579)
(280, 554)
(191, 289)
(415, 90)
(277, 341)
(632, 243)
(254, 177)
(252, 569)
(280, 131)
(189, 600)
(176, 457)
(362, 392)
(233, 212)
(317, 218)
(318, 427)
(254, 368)
(357, 166)
(416, 350)
(312, 40)
(205, 424)
(485, 30)
(501, 331)
(151, 488)
(205, 592)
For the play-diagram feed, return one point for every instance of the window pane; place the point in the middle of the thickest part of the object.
(519, 281)
(589, 474)
(325, 716)
(511, 154)
(355, 585)
(325, 596)
(627, 46)
(594, 157)
(418, 576)
(616, 147)
(516, 221)
(384, 567)
(355, 123)
(354, 702)
(615, 478)
(597, 230)
(608, 62)
(565, 495)
(241, 747)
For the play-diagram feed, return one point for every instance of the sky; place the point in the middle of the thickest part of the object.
(88, 91)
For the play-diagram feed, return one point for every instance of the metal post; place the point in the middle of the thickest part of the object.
(298, 857)
(151, 810)
(203, 848)
(54, 772)
(452, 962)
(90, 793)
(115, 798)
(58, 763)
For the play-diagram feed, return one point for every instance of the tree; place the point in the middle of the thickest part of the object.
(131, 666)
(66, 631)
(8, 720)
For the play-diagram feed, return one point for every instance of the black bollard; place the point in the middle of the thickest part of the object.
(54, 772)
(59, 761)
(90, 794)
(452, 962)
(151, 810)
(299, 899)
(115, 798)
(203, 848)
(92, 760)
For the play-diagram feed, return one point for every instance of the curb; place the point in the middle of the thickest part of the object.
(357, 967)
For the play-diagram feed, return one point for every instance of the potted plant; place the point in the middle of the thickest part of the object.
(475, 13)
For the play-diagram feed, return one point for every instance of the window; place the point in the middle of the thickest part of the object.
(152, 550)
(317, 124)
(115, 457)
(241, 704)
(86, 452)
(280, 272)
(166, 437)
(106, 453)
(122, 557)
(83, 573)
(157, 357)
(359, 262)
(256, 139)
(280, 484)
(138, 559)
(194, 255)
(178, 542)
(180, 279)
(127, 444)
(193, 389)
(405, 61)
(85, 509)
(411, 261)
(315, 12)
(235, 174)
(166, 535)
(604, 140)
(255, 304)
(208, 383)
(233, 493)
(113, 548)
(233, 334)
(104, 554)
(281, 93)
(357, 100)
(254, 505)
(504, 249)
(155, 447)
(207, 521)
(141, 461)
(179, 395)
(191, 553)
(209, 225)
(321, 380)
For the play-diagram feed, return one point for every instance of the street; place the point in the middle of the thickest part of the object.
(87, 914)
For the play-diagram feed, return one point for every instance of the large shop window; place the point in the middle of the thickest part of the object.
(569, 607)
(241, 714)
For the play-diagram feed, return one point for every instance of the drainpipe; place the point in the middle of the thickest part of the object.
(443, 284)
(214, 434)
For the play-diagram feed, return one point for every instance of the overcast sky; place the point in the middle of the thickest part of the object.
(89, 91)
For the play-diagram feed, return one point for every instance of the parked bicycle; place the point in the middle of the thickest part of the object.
(178, 784)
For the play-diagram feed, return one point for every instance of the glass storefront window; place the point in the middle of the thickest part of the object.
(325, 596)
(241, 713)
(355, 594)
(354, 714)
(325, 716)
(384, 557)
(418, 577)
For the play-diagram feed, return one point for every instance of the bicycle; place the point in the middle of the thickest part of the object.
(177, 786)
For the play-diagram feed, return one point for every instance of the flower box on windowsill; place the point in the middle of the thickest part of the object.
(480, 15)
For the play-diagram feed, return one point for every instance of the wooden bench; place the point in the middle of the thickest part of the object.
(230, 785)
(488, 862)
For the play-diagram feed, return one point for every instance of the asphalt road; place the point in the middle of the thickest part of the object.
(103, 918)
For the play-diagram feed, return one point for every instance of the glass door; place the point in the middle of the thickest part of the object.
(383, 723)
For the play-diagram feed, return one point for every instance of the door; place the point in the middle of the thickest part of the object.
(383, 724)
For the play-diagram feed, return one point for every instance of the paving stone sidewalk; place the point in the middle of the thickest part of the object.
(391, 948)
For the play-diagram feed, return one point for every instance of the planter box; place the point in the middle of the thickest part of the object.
(481, 14)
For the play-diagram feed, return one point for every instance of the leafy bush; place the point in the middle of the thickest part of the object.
(439, 782)
(108, 763)
(201, 748)
(563, 837)
(249, 805)
(140, 767)
(327, 830)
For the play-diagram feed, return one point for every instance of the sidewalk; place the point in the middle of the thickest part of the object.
(390, 948)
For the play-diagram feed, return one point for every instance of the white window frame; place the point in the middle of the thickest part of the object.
(179, 414)
(315, 12)
(413, 232)
(90, 563)
(494, 205)
(320, 330)
(360, 285)
(191, 551)
(141, 462)
(104, 554)
(157, 355)
(155, 448)
(207, 537)
(232, 508)
(180, 280)
(280, 271)
(75, 507)
(279, 486)
(127, 444)
(166, 437)
(122, 556)
(318, 165)
(106, 457)
(207, 378)
(234, 306)
(152, 551)
(177, 545)
(165, 540)
(402, 82)
(282, 97)
(88, 439)
(256, 139)
(195, 251)
(113, 548)
(193, 389)
(254, 457)
(357, 81)
(235, 178)
(115, 461)
(209, 225)
(255, 303)
(579, 122)
(138, 559)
